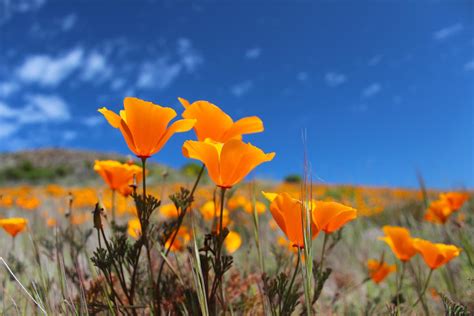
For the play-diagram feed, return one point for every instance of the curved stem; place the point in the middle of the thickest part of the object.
(425, 287)
(293, 278)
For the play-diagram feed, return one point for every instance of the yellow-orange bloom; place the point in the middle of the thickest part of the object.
(215, 124)
(134, 228)
(455, 199)
(144, 125)
(378, 271)
(13, 226)
(228, 163)
(287, 213)
(232, 242)
(330, 216)
(182, 239)
(169, 210)
(400, 241)
(438, 212)
(259, 207)
(435, 255)
(117, 175)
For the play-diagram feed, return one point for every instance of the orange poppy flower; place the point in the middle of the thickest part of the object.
(435, 255)
(330, 216)
(134, 228)
(13, 226)
(287, 213)
(438, 212)
(215, 124)
(181, 240)
(400, 241)
(228, 163)
(232, 242)
(144, 125)
(169, 210)
(118, 176)
(455, 199)
(378, 271)
(209, 210)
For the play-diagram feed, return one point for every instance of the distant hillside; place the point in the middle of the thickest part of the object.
(59, 165)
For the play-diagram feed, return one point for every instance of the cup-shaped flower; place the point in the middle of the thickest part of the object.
(287, 213)
(117, 175)
(144, 125)
(438, 212)
(400, 241)
(227, 163)
(435, 255)
(330, 216)
(378, 271)
(13, 226)
(232, 242)
(215, 124)
(455, 199)
(134, 228)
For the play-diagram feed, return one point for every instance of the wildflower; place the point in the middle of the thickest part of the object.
(259, 207)
(287, 213)
(134, 228)
(400, 241)
(330, 216)
(227, 163)
(118, 176)
(209, 210)
(144, 125)
(213, 123)
(455, 199)
(182, 239)
(232, 242)
(378, 271)
(438, 212)
(51, 222)
(435, 255)
(169, 210)
(13, 226)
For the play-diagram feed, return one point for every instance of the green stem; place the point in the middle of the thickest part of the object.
(325, 240)
(292, 278)
(399, 286)
(425, 287)
(113, 206)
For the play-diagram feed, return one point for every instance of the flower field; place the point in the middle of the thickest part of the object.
(138, 243)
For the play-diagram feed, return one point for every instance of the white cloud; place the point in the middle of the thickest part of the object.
(69, 135)
(448, 31)
(11, 7)
(7, 129)
(334, 79)
(371, 90)
(7, 88)
(374, 61)
(68, 22)
(190, 58)
(96, 68)
(45, 108)
(117, 83)
(49, 71)
(92, 121)
(241, 88)
(469, 66)
(159, 74)
(253, 53)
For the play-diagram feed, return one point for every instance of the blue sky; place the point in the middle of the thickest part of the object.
(382, 88)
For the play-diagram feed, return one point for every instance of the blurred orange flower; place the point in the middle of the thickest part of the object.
(232, 242)
(287, 213)
(117, 175)
(215, 124)
(435, 255)
(227, 163)
(400, 241)
(181, 240)
(330, 216)
(169, 210)
(134, 228)
(378, 271)
(438, 212)
(144, 125)
(455, 199)
(13, 226)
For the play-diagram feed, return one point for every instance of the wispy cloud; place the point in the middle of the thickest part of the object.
(374, 61)
(10, 8)
(253, 53)
(93, 120)
(334, 79)
(469, 66)
(7, 88)
(302, 76)
(371, 90)
(190, 58)
(96, 68)
(68, 22)
(241, 88)
(448, 31)
(50, 71)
